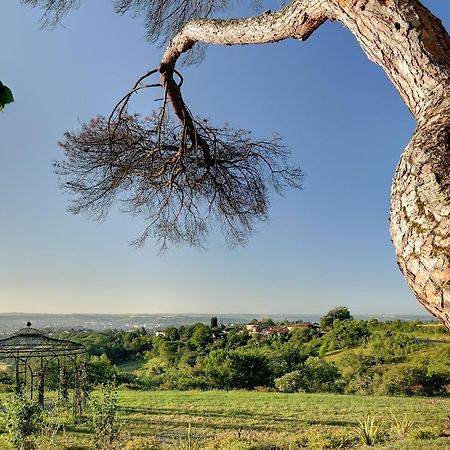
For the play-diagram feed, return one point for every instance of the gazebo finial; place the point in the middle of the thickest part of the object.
(28, 324)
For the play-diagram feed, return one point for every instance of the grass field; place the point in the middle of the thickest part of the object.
(243, 420)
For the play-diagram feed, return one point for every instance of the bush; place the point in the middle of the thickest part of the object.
(237, 369)
(105, 420)
(6, 388)
(316, 375)
(100, 370)
(401, 426)
(346, 334)
(411, 379)
(323, 375)
(370, 432)
(360, 373)
(291, 382)
(24, 421)
(390, 346)
(426, 433)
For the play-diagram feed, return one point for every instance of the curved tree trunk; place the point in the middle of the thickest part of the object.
(413, 48)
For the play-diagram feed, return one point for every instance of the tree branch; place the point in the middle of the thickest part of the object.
(297, 20)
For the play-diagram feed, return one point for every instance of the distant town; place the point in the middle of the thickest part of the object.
(11, 322)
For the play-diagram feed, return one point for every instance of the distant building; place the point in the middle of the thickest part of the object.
(256, 327)
(160, 333)
(276, 329)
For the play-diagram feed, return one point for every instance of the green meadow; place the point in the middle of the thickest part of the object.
(251, 420)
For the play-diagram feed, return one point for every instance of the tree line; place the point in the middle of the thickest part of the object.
(343, 356)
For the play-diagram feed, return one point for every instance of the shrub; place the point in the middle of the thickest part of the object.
(390, 346)
(291, 382)
(24, 421)
(237, 369)
(100, 370)
(346, 334)
(323, 375)
(105, 420)
(6, 387)
(426, 433)
(360, 373)
(402, 426)
(316, 375)
(369, 432)
(411, 379)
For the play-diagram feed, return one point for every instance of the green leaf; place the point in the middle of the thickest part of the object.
(6, 96)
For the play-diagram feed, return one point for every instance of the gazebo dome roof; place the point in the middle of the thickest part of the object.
(30, 342)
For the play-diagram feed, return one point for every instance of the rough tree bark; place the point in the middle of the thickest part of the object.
(413, 48)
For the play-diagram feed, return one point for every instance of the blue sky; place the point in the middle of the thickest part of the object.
(324, 246)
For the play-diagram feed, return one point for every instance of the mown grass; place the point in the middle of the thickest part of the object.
(269, 420)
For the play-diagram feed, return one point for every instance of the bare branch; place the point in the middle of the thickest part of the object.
(53, 10)
(172, 185)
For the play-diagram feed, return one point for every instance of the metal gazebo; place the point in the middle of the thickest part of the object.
(32, 351)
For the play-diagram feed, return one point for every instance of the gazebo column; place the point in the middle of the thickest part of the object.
(63, 384)
(84, 384)
(38, 385)
(41, 388)
(18, 380)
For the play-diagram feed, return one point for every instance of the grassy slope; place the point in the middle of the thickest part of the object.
(268, 417)
(131, 366)
(435, 339)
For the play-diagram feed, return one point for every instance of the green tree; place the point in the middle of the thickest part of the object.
(339, 313)
(201, 336)
(301, 336)
(100, 370)
(346, 334)
(237, 369)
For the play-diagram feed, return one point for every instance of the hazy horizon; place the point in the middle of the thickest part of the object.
(11, 322)
(210, 313)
